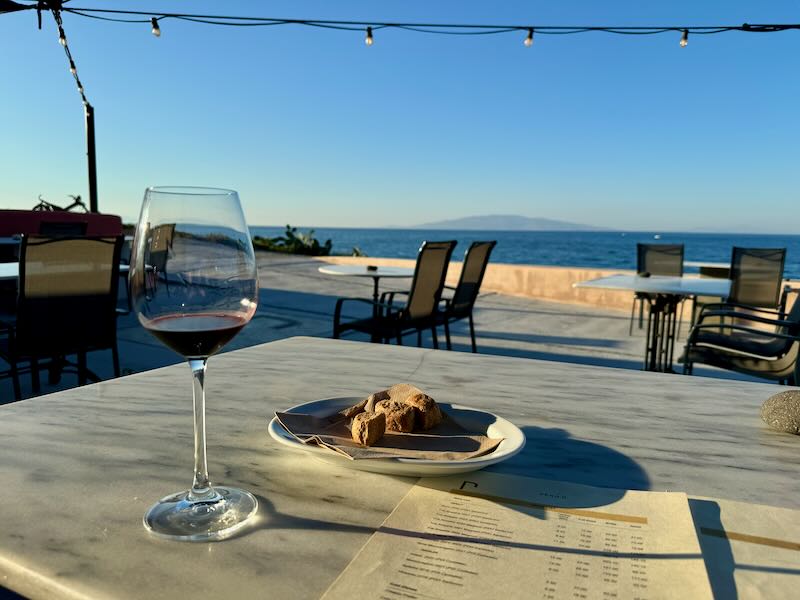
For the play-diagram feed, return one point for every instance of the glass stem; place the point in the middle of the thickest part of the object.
(201, 488)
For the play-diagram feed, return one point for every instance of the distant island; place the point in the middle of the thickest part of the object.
(507, 223)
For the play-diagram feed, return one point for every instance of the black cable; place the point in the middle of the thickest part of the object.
(432, 28)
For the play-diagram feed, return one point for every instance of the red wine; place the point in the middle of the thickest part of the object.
(198, 335)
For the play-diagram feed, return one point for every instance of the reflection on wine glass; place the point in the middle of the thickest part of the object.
(194, 286)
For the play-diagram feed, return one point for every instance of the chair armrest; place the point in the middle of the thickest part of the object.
(745, 317)
(391, 294)
(760, 332)
(337, 313)
(727, 305)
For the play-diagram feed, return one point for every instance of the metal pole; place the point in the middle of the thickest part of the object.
(91, 158)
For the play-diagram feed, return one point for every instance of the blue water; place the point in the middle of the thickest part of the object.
(601, 249)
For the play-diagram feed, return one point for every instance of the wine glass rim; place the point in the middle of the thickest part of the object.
(190, 190)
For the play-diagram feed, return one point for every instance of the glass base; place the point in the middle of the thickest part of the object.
(222, 515)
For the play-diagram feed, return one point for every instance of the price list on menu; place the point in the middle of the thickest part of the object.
(484, 535)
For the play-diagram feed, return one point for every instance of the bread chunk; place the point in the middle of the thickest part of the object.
(402, 392)
(399, 416)
(373, 399)
(428, 414)
(352, 411)
(368, 428)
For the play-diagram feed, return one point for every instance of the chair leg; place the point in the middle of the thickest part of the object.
(35, 376)
(633, 312)
(472, 334)
(447, 335)
(419, 338)
(399, 337)
(641, 314)
(434, 337)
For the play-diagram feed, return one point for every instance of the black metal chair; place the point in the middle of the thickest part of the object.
(758, 342)
(419, 312)
(756, 278)
(460, 305)
(66, 305)
(655, 259)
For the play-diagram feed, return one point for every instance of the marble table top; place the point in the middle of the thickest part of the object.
(80, 467)
(659, 284)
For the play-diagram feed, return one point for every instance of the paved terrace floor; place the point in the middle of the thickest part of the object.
(295, 299)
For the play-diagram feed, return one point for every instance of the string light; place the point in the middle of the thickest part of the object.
(368, 40)
(62, 39)
(685, 38)
(529, 40)
(136, 16)
(156, 29)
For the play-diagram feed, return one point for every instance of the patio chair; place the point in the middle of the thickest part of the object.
(160, 247)
(756, 278)
(419, 312)
(758, 342)
(465, 293)
(655, 259)
(66, 305)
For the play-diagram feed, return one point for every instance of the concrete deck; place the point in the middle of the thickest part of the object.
(296, 300)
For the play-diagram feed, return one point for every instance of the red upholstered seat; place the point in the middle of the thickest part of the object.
(14, 222)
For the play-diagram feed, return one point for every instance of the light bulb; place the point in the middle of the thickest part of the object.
(62, 39)
(368, 40)
(156, 29)
(685, 38)
(529, 40)
(72, 68)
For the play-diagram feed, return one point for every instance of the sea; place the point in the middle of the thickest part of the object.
(598, 249)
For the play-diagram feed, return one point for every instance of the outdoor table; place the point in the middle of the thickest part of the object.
(80, 467)
(667, 293)
(364, 271)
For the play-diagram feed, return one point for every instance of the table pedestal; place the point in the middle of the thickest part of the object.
(661, 330)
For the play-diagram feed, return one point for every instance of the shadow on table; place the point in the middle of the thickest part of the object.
(532, 338)
(554, 454)
(270, 518)
(717, 551)
(595, 361)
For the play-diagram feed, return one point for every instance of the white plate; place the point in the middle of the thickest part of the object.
(470, 418)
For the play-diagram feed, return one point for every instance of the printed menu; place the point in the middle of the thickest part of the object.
(485, 535)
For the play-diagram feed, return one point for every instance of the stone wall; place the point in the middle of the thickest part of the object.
(554, 284)
(530, 281)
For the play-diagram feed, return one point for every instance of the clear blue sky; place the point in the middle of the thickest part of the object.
(314, 128)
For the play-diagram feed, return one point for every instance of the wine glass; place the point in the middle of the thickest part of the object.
(194, 286)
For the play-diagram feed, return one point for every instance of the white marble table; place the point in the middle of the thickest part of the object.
(80, 467)
(376, 272)
(665, 293)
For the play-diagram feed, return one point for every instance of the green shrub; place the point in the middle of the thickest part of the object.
(294, 242)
